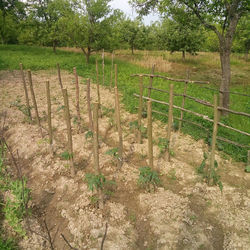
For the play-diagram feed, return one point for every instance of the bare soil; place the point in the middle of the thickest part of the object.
(183, 213)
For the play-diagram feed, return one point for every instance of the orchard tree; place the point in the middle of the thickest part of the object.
(89, 27)
(219, 16)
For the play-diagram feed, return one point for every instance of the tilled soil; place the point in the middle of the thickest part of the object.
(183, 213)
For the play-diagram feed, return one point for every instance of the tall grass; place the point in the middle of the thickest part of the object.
(37, 58)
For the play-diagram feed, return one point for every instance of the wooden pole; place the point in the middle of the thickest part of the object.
(170, 118)
(89, 106)
(98, 84)
(103, 76)
(220, 104)
(149, 131)
(59, 76)
(115, 75)
(111, 73)
(183, 100)
(69, 133)
(26, 92)
(215, 128)
(34, 101)
(248, 158)
(96, 148)
(139, 138)
(95, 136)
(77, 101)
(151, 81)
(118, 122)
(49, 113)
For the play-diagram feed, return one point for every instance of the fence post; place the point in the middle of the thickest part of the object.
(170, 118)
(149, 131)
(98, 84)
(26, 92)
(183, 101)
(151, 81)
(69, 133)
(215, 128)
(34, 101)
(77, 101)
(89, 106)
(118, 123)
(95, 137)
(49, 112)
(140, 110)
(59, 76)
(103, 76)
(220, 104)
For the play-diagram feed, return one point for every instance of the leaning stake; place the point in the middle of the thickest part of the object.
(77, 101)
(26, 92)
(67, 119)
(89, 106)
(139, 139)
(59, 76)
(34, 101)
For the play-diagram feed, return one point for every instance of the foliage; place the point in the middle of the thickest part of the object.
(163, 144)
(8, 244)
(112, 152)
(88, 134)
(21, 107)
(15, 205)
(247, 169)
(148, 177)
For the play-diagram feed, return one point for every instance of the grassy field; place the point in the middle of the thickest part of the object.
(205, 66)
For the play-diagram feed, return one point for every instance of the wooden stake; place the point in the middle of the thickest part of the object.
(151, 81)
(25, 92)
(170, 118)
(89, 106)
(95, 136)
(103, 76)
(111, 73)
(49, 113)
(98, 84)
(118, 122)
(140, 110)
(115, 75)
(77, 101)
(149, 131)
(34, 101)
(183, 101)
(59, 76)
(248, 158)
(215, 128)
(69, 133)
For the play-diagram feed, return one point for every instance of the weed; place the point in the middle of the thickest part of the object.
(247, 169)
(172, 174)
(21, 107)
(8, 244)
(60, 108)
(94, 200)
(132, 217)
(106, 111)
(148, 177)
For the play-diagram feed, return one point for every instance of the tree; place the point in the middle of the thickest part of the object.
(89, 27)
(219, 16)
(182, 32)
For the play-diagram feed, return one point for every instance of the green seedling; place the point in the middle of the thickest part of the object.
(112, 152)
(66, 155)
(163, 144)
(247, 169)
(172, 174)
(60, 108)
(21, 107)
(148, 177)
(89, 135)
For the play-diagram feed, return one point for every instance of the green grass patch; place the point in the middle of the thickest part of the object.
(37, 58)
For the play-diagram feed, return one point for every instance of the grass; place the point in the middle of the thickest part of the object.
(205, 66)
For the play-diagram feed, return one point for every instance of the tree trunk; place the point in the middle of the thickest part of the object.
(54, 46)
(183, 55)
(132, 49)
(246, 54)
(226, 77)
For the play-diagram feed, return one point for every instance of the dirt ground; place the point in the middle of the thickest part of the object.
(183, 213)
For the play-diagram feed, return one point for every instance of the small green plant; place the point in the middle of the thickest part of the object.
(8, 244)
(148, 177)
(66, 155)
(60, 108)
(106, 111)
(89, 135)
(210, 175)
(172, 174)
(163, 144)
(21, 107)
(247, 169)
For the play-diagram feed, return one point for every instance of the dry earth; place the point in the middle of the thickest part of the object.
(184, 213)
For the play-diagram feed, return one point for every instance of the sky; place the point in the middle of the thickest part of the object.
(130, 12)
